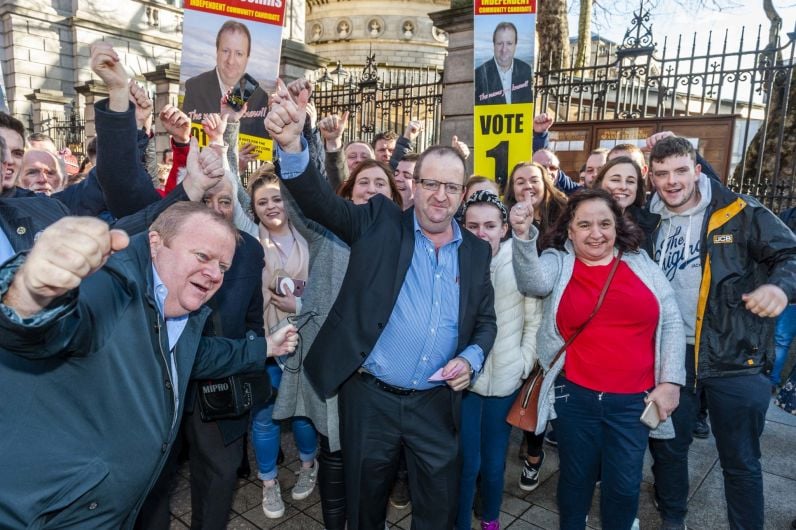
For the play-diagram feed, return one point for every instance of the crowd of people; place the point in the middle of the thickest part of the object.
(393, 303)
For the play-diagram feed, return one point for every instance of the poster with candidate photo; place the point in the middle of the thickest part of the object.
(504, 35)
(231, 48)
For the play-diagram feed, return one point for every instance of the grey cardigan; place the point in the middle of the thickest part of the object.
(328, 264)
(548, 275)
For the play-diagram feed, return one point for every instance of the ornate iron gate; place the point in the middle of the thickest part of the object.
(745, 75)
(382, 100)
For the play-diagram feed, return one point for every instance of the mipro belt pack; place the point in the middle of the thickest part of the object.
(234, 395)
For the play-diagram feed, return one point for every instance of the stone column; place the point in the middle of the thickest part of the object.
(166, 79)
(457, 81)
(297, 59)
(92, 91)
(46, 103)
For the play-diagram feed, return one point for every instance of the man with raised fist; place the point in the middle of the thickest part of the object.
(99, 336)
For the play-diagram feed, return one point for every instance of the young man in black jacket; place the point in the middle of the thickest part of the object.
(732, 263)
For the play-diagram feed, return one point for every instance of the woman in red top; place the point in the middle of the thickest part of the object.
(629, 353)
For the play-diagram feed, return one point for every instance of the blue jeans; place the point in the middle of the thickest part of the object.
(484, 441)
(266, 433)
(599, 433)
(784, 333)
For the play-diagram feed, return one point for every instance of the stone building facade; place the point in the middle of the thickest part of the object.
(400, 32)
(45, 45)
(46, 49)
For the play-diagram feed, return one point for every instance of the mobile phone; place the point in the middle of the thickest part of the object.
(650, 416)
(242, 91)
(289, 285)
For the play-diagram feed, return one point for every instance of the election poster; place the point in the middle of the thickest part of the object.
(504, 33)
(231, 48)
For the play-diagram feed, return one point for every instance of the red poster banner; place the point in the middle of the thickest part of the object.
(267, 11)
(504, 7)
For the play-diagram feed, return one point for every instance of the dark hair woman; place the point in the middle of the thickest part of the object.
(631, 351)
(623, 179)
(530, 181)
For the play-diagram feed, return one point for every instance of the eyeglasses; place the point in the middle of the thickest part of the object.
(433, 185)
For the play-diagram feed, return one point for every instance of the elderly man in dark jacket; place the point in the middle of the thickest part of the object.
(95, 361)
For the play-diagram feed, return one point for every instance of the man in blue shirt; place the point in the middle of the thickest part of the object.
(413, 321)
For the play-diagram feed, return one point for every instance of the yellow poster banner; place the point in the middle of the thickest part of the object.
(503, 136)
(264, 146)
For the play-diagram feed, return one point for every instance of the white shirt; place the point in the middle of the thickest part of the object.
(505, 79)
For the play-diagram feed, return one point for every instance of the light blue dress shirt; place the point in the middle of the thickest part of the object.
(174, 328)
(6, 250)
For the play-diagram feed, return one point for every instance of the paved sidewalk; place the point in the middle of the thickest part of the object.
(538, 509)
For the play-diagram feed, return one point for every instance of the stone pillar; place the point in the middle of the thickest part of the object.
(298, 61)
(166, 79)
(46, 103)
(92, 91)
(457, 81)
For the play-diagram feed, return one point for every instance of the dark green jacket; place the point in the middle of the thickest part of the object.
(87, 404)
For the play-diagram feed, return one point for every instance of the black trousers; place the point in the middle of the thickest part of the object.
(214, 472)
(331, 484)
(374, 424)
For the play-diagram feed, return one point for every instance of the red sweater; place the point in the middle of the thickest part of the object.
(616, 351)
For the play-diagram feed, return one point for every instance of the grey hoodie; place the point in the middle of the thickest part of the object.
(677, 245)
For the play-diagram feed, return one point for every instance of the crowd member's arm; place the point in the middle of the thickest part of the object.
(85, 197)
(313, 137)
(772, 244)
(671, 373)
(532, 319)
(406, 143)
(536, 275)
(178, 125)
(215, 126)
(566, 184)
(203, 171)
(541, 127)
(220, 357)
(332, 129)
(460, 147)
(541, 140)
(125, 183)
(150, 148)
(284, 123)
(42, 313)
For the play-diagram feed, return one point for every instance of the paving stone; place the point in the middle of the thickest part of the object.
(301, 522)
(240, 523)
(176, 524)
(259, 520)
(708, 509)
(248, 497)
(539, 517)
(180, 503)
(779, 458)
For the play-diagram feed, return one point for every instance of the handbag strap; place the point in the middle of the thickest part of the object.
(594, 312)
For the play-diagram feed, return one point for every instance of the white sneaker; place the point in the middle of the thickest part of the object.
(305, 482)
(273, 505)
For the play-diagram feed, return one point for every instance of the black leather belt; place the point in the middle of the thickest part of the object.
(367, 376)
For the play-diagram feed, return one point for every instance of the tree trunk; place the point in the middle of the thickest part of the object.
(552, 30)
(777, 177)
(584, 34)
